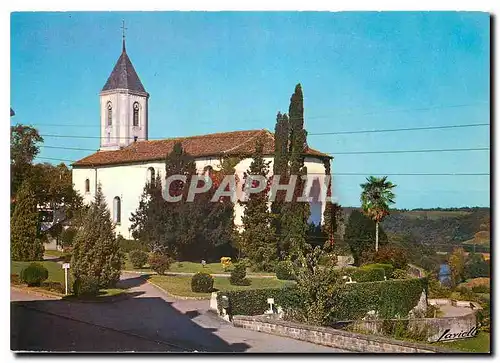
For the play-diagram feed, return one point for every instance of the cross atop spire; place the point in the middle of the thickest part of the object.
(123, 34)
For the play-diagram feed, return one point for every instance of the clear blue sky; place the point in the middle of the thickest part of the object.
(211, 72)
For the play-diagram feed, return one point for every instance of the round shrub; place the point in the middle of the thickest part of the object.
(238, 275)
(86, 286)
(202, 282)
(284, 271)
(34, 274)
(138, 258)
(159, 263)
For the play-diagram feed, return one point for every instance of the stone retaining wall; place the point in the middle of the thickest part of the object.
(333, 337)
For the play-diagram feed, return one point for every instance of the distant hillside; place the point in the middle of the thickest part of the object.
(439, 226)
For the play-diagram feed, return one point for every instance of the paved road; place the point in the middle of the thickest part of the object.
(149, 321)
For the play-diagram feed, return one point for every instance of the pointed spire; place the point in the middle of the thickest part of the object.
(124, 75)
(123, 35)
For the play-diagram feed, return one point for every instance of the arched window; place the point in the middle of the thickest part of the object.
(87, 186)
(151, 175)
(117, 210)
(110, 114)
(136, 114)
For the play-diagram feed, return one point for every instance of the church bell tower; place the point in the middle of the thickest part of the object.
(124, 106)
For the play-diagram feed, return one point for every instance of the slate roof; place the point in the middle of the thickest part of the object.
(124, 76)
(210, 145)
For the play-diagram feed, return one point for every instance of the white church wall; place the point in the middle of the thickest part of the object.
(127, 182)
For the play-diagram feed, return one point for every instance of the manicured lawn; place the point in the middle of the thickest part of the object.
(192, 267)
(478, 344)
(54, 253)
(181, 285)
(56, 272)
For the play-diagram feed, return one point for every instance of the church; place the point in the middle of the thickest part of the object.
(126, 159)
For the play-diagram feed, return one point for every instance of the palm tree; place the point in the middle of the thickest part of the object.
(375, 199)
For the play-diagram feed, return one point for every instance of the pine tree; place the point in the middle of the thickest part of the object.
(96, 252)
(258, 236)
(295, 215)
(26, 244)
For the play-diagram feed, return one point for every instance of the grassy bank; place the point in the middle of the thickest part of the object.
(181, 285)
(478, 344)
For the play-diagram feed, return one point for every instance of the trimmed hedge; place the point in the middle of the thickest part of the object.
(388, 268)
(391, 299)
(254, 302)
(364, 274)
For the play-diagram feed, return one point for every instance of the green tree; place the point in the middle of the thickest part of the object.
(376, 197)
(360, 233)
(154, 223)
(24, 147)
(456, 260)
(476, 266)
(96, 252)
(258, 237)
(26, 244)
(280, 167)
(295, 215)
(53, 187)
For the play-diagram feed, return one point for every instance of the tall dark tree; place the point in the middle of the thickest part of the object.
(332, 216)
(96, 252)
(258, 237)
(24, 147)
(26, 244)
(153, 223)
(280, 167)
(295, 215)
(360, 233)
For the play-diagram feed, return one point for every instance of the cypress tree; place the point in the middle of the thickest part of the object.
(280, 167)
(332, 214)
(295, 215)
(96, 252)
(26, 244)
(258, 238)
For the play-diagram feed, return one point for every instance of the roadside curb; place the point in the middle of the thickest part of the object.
(28, 290)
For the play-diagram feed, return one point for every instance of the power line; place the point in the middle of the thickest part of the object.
(309, 134)
(395, 130)
(414, 174)
(331, 153)
(67, 148)
(407, 151)
(330, 116)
